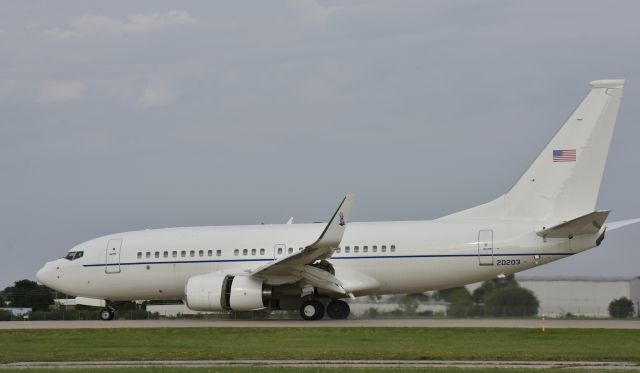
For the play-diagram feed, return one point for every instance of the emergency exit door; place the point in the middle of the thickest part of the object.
(485, 247)
(112, 256)
(279, 250)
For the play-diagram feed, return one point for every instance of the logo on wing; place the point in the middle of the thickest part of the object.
(342, 223)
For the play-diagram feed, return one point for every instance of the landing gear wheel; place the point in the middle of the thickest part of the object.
(311, 310)
(338, 309)
(107, 314)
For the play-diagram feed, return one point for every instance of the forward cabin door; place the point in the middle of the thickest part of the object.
(485, 247)
(112, 255)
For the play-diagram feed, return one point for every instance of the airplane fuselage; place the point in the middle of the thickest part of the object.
(377, 257)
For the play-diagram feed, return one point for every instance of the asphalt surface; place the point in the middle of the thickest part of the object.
(406, 323)
(611, 365)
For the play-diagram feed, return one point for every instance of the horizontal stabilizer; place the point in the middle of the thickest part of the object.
(622, 223)
(586, 224)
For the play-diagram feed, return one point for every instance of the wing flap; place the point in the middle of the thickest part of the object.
(586, 224)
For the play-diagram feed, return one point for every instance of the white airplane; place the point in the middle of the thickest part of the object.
(547, 215)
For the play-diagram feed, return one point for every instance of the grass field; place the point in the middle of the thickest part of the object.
(319, 343)
(291, 370)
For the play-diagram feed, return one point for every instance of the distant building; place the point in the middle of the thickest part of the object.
(585, 296)
(16, 311)
(580, 296)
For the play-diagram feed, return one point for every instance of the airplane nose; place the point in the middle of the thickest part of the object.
(44, 275)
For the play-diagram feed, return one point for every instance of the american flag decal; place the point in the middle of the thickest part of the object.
(564, 155)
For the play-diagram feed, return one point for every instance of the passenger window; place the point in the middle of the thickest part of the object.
(245, 252)
(253, 251)
(139, 255)
(338, 250)
(201, 253)
(374, 248)
(192, 253)
(165, 254)
(183, 253)
(383, 248)
(393, 248)
(236, 252)
(290, 250)
(157, 254)
(356, 249)
(148, 254)
(174, 254)
(261, 251)
(218, 252)
(365, 249)
(347, 249)
(300, 249)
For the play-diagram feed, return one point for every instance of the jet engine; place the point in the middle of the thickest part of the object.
(223, 291)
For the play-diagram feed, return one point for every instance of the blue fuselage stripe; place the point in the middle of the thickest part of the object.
(334, 257)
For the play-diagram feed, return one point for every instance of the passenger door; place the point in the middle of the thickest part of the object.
(112, 256)
(485, 247)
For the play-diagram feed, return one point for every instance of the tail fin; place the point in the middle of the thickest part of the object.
(563, 182)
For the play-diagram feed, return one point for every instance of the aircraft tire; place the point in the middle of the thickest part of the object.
(338, 309)
(107, 314)
(312, 310)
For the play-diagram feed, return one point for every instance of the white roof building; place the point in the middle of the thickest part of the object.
(580, 296)
(583, 296)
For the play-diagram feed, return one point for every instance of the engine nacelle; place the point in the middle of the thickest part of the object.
(222, 292)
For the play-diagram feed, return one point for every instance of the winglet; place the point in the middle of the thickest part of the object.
(290, 221)
(332, 234)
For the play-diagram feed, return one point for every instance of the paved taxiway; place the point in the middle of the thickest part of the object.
(610, 365)
(408, 323)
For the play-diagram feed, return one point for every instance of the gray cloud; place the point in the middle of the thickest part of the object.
(264, 110)
(98, 24)
(61, 91)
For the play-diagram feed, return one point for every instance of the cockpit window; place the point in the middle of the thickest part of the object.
(73, 255)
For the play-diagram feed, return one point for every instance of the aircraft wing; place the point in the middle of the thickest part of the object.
(298, 263)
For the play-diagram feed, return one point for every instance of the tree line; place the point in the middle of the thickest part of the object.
(499, 297)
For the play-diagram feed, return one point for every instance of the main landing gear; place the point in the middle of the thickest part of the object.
(314, 309)
(338, 309)
(107, 314)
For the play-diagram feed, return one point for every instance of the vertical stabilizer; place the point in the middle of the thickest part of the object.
(563, 182)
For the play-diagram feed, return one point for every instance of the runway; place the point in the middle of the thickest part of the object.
(378, 323)
(333, 364)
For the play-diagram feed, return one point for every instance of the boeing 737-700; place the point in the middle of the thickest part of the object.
(550, 213)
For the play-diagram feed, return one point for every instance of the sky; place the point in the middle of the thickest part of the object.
(119, 116)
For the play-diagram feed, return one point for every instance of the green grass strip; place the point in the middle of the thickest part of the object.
(294, 370)
(319, 343)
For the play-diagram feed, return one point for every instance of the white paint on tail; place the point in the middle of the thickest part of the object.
(560, 191)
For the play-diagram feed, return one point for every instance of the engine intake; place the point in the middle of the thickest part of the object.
(224, 292)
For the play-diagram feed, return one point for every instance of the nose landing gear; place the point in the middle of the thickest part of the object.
(107, 314)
